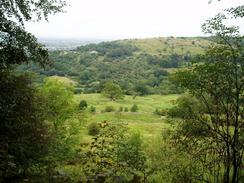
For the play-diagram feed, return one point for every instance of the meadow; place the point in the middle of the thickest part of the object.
(144, 121)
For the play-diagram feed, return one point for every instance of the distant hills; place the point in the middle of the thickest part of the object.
(65, 44)
(131, 63)
(152, 45)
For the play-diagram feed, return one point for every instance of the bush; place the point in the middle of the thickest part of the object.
(92, 109)
(187, 106)
(134, 108)
(160, 112)
(126, 109)
(142, 89)
(78, 90)
(109, 109)
(93, 129)
(83, 104)
(120, 109)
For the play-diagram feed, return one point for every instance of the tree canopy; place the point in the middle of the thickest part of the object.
(217, 83)
(112, 91)
(17, 45)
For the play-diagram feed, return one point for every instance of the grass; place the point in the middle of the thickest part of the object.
(146, 104)
(167, 45)
(143, 121)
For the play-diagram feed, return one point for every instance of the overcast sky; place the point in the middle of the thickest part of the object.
(119, 19)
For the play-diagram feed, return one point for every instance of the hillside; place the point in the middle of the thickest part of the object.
(130, 62)
(169, 45)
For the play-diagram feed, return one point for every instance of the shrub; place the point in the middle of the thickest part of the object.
(160, 112)
(93, 129)
(109, 109)
(187, 106)
(126, 109)
(78, 90)
(83, 104)
(134, 108)
(120, 109)
(142, 89)
(92, 109)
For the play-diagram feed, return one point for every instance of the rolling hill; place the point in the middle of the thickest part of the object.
(129, 62)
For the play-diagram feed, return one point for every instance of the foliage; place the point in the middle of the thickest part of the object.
(17, 45)
(92, 109)
(64, 119)
(121, 109)
(92, 65)
(60, 100)
(109, 109)
(108, 158)
(112, 91)
(134, 108)
(215, 136)
(99, 159)
(130, 152)
(187, 106)
(24, 136)
(93, 129)
(168, 162)
(83, 104)
(142, 89)
(161, 112)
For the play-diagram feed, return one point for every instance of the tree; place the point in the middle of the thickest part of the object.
(93, 129)
(23, 130)
(61, 109)
(134, 108)
(100, 158)
(218, 85)
(17, 45)
(24, 134)
(113, 154)
(112, 91)
(142, 89)
(60, 100)
(83, 105)
(130, 152)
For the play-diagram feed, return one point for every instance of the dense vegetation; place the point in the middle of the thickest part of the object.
(52, 132)
(136, 68)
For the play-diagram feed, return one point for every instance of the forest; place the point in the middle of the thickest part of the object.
(128, 63)
(153, 110)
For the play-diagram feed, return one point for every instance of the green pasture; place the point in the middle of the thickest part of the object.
(143, 121)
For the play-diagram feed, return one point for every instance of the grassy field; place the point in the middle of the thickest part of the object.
(169, 45)
(143, 121)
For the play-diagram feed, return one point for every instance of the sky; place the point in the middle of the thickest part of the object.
(121, 19)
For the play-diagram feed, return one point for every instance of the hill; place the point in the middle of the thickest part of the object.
(129, 63)
(170, 45)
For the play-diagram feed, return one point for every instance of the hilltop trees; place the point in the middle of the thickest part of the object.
(93, 64)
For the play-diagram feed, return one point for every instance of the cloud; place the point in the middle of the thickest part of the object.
(117, 19)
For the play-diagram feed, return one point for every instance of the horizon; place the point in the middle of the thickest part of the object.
(111, 39)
